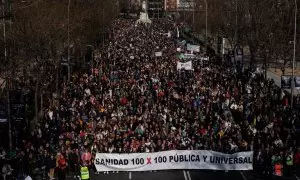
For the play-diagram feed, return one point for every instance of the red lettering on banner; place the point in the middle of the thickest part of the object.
(148, 160)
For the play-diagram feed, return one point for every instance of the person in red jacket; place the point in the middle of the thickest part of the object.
(61, 165)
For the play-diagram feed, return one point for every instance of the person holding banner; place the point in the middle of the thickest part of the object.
(61, 167)
(86, 163)
(86, 158)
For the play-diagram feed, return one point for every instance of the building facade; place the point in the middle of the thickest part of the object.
(156, 8)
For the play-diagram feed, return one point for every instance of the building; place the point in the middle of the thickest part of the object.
(156, 8)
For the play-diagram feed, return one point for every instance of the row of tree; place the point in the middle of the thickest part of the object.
(36, 39)
(265, 27)
(38, 29)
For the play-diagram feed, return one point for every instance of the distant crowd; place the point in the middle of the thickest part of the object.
(133, 101)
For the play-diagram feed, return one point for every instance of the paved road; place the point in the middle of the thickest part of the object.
(277, 81)
(184, 175)
(170, 175)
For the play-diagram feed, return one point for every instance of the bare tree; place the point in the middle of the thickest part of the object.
(266, 27)
(39, 32)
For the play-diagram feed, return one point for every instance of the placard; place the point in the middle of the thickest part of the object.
(286, 82)
(158, 54)
(194, 48)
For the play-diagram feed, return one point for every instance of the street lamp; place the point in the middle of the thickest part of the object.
(193, 14)
(236, 21)
(7, 75)
(205, 19)
(294, 56)
(69, 66)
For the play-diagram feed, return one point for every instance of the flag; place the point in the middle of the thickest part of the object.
(181, 56)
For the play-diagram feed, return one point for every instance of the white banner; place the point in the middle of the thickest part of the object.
(158, 54)
(194, 48)
(187, 65)
(186, 5)
(189, 56)
(175, 159)
(204, 58)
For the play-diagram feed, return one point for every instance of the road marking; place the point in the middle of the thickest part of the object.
(188, 175)
(129, 175)
(242, 174)
(184, 174)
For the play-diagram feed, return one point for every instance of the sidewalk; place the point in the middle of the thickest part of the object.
(288, 71)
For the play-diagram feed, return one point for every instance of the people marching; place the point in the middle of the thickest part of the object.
(133, 101)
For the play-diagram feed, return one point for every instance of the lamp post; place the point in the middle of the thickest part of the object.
(294, 56)
(236, 21)
(7, 75)
(193, 14)
(69, 66)
(4, 29)
(205, 20)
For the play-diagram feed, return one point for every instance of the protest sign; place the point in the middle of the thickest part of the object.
(158, 54)
(188, 56)
(286, 82)
(194, 48)
(297, 82)
(186, 66)
(181, 43)
(174, 159)
(204, 60)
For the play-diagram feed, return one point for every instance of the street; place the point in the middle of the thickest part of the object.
(183, 175)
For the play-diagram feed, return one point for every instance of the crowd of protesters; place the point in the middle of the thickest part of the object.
(132, 101)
